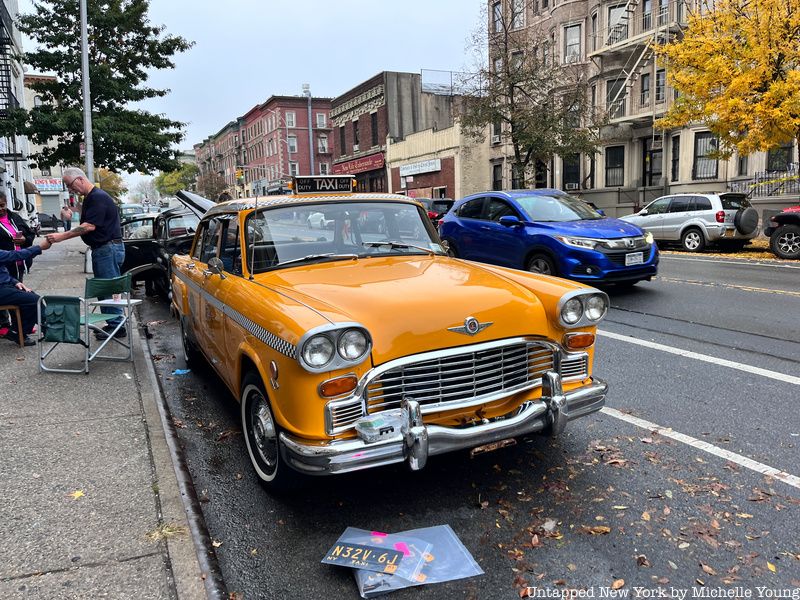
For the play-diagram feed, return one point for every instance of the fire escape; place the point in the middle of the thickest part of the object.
(8, 101)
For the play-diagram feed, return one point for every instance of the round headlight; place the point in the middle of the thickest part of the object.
(318, 351)
(572, 311)
(352, 344)
(596, 307)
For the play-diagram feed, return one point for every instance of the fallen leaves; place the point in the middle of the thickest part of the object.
(707, 569)
(166, 531)
(595, 530)
(76, 494)
(618, 583)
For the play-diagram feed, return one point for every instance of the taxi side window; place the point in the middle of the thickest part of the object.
(230, 252)
(210, 241)
(198, 246)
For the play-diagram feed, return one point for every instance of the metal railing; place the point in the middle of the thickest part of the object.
(769, 183)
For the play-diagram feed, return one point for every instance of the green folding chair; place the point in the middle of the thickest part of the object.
(70, 320)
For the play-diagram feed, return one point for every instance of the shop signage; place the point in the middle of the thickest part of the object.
(425, 166)
(359, 165)
(48, 184)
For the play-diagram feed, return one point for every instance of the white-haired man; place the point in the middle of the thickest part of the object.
(100, 230)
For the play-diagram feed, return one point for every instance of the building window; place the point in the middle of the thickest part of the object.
(374, 125)
(676, 157)
(647, 15)
(517, 14)
(615, 166)
(293, 169)
(594, 31)
(322, 143)
(572, 44)
(497, 17)
(292, 141)
(341, 140)
(37, 100)
(705, 165)
(540, 175)
(741, 166)
(780, 158)
(617, 24)
(517, 61)
(572, 171)
(644, 98)
(544, 4)
(290, 119)
(45, 171)
(324, 168)
(661, 79)
(322, 121)
(497, 177)
(355, 136)
(615, 98)
(497, 130)
(517, 177)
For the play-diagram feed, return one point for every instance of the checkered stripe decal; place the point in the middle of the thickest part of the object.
(270, 339)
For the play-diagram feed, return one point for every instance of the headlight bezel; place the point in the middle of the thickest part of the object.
(582, 243)
(334, 333)
(583, 297)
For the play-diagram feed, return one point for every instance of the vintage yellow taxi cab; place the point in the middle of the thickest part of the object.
(352, 339)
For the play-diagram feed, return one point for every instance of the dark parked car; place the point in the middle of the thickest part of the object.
(436, 207)
(48, 223)
(548, 231)
(783, 232)
(150, 241)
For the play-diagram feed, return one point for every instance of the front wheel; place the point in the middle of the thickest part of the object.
(541, 263)
(191, 355)
(693, 240)
(261, 435)
(785, 241)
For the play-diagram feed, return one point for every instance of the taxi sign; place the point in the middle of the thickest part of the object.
(326, 184)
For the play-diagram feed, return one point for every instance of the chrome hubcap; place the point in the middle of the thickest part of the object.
(789, 243)
(692, 241)
(265, 438)
(539, 265)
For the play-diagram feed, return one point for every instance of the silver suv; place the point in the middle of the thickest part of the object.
(696, 220)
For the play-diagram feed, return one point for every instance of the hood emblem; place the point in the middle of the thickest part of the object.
(471, 326)
(630, 242)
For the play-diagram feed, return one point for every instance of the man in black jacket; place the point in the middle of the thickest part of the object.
(16, 293)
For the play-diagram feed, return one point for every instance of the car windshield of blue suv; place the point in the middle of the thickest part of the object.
(556, 209)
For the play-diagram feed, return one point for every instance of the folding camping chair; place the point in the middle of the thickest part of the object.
(71, 319)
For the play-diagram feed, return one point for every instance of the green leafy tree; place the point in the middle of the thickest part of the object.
(531, 98)
(211, 185)
(737, 68)
(168, 184)
(124, 47)
(110, 182)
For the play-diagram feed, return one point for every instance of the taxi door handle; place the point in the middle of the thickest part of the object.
(190, 266)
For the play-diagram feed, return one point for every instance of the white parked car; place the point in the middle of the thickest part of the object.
(317, 220)
(697, 220)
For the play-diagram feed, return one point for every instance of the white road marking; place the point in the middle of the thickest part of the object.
(733, 261)
(737, 459)
(704, 357)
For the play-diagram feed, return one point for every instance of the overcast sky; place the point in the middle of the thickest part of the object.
(248, 50)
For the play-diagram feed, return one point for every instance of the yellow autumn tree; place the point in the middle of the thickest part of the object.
(737, 68)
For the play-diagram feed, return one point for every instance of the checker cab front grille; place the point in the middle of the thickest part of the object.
(456, 378)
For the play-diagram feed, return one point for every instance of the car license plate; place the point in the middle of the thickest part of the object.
(634, 258)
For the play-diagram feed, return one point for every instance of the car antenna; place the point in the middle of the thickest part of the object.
(253, 244)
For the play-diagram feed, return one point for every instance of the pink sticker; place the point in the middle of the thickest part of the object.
(403, 548)
(379, 534)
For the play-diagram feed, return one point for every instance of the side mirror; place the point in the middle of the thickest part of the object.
(216, 267)
(643, 212)
(510, 221)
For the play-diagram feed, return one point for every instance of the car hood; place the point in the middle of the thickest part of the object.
(409, 303)
(605, 229)
(195, 203)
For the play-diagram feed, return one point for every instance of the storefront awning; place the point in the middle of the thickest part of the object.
(30, 187)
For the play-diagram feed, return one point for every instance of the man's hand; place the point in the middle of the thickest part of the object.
(52, 238)
(23, 287)
(45, 244)
(19, 240)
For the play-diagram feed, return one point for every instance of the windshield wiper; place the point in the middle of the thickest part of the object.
(392, 244)
(317, 257)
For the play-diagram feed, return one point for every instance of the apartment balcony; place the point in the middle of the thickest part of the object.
(635, 28)
(639, 110)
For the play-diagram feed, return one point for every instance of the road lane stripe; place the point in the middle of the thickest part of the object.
(704, 357)
(745, 288)
(737, 459)
(747, 261)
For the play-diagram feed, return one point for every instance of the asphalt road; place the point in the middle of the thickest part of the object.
(708, 351)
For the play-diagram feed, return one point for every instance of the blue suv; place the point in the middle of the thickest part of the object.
(548, 231)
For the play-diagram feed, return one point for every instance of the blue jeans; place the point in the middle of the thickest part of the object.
(106, 262)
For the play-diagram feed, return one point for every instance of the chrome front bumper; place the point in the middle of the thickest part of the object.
(417, 441)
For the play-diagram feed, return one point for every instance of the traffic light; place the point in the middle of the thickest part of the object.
(240, 175)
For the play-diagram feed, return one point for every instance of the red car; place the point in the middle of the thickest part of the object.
(783, 232)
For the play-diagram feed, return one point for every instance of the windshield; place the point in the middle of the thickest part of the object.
(336, 231)
(556, 208)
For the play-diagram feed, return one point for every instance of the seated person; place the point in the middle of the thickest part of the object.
(15, 293)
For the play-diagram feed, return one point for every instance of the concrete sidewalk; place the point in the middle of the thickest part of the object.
(89, 501)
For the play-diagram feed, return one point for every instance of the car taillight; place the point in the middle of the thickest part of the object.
(432, 214)
(720, 216)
